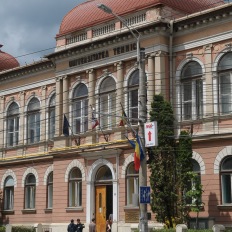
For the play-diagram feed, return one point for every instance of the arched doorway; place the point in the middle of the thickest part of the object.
(103, 197)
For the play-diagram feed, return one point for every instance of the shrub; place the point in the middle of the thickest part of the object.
(23, 229)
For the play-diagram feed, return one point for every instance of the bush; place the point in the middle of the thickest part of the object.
(2, 229)
(23, 229)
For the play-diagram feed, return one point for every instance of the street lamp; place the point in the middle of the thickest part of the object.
(143, 226)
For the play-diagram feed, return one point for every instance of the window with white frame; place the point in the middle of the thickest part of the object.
(75, 188)
(50, 190)
(133, 94)
(132, 185)
(9, 193)
(80, 109)
(107, 103)
(191, 186)
(226, 180)
(51, 116)
(13, 125)
(225, 81)
(191, 91)
(33, 121)
(29, 193)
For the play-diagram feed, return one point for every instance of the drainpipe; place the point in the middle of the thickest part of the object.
(171, 61)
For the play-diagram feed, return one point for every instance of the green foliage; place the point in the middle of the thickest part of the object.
(23, 229)
(170, 165)
(2, 229)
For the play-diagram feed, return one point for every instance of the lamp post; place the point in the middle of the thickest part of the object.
(143, 226)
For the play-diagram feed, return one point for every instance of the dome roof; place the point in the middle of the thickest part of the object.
(87, 14)
(7, 61)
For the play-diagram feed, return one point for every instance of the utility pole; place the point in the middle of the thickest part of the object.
(143, 226)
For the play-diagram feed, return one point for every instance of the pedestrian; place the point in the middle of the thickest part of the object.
(71, 226)
(92, 226)
(79, 226)
(108, 226)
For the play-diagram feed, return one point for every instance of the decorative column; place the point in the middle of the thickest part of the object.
(150, 82)
(160, 74)
(119, 97)
(208, 98)
(59, 97)
(43, 115)
(91, 92)
(65, 97)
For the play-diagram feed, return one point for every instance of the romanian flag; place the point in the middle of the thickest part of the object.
(94, 121)
(123, 120)
(138, 154)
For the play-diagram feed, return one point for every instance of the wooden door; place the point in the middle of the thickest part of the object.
(101, 208)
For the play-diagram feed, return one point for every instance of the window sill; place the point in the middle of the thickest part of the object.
(9, 211)
(225, 207)
(72, 209)
(131, 207)
(29, 211)
(48, 210)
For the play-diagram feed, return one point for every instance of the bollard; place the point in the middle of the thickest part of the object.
(218, 228)
(8, 228)
(181, 228)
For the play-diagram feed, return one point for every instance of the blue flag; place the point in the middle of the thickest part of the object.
(66, 126)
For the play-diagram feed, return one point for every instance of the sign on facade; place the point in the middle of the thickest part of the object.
(145, 193)
(151, 135)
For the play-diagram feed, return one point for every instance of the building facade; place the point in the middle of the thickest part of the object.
(48, 177)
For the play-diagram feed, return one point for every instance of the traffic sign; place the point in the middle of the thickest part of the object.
(151, 135)
(145, 192)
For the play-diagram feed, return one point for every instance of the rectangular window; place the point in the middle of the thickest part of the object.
(226, 189)
(75, 193)
(132, 191)
(187, 100)
(9, 198)
(30, 197)
(34, 128)
(133, 106)
(50, 196)
(225, 93)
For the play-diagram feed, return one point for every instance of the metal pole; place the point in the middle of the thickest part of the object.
(143, 226)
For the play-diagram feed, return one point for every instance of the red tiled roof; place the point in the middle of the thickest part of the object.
(87, 14)
(7, 61)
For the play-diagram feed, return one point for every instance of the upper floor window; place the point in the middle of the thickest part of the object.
(80, 109)
(226, 180)
(9, 193)
(225, 81)
(132, 185)
(13, 125)
(29, 194)
(51, 116)
(50, 190)
(133, 88)
(75, 188)
(191, 91)
(33, 121)
(107, 103)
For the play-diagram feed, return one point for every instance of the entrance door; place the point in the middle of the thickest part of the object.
(101, 208)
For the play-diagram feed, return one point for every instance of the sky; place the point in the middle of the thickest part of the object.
(28, 27)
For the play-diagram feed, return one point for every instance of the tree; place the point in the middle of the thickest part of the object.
(169, 163)
(162, 163)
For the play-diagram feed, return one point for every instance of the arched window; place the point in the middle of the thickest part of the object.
(13, 125)
(226, 180)
(225, 81)
(29, 193)
(33, 121)
(50, 190)
(133, 88)
(107, 103)
(75, 188)
(80, 109)
(191, 91)
(104, 174)
(51, 116)
(9, 193)
(132, 185)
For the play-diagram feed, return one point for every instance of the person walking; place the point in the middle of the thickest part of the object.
(71, 226)
(108, 226)
(92, 226)
(79, 226)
